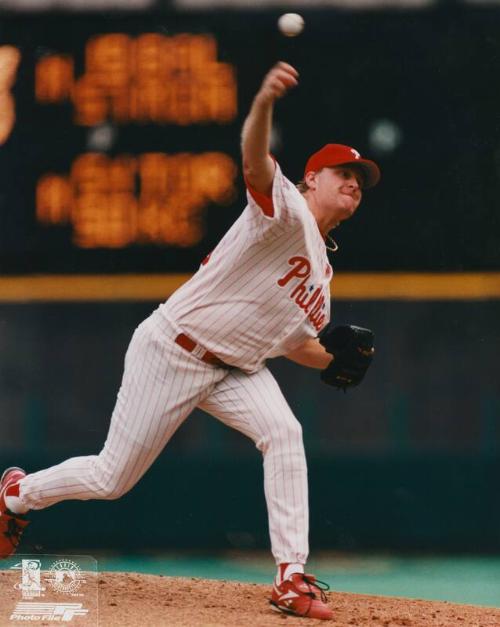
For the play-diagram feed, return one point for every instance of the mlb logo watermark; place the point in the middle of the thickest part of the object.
(66, 576)
(47, 589)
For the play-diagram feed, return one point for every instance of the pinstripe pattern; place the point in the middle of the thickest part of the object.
(161, 385)
(263, 291)
(255, 405)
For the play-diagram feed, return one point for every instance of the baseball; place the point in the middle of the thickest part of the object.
(291, 24)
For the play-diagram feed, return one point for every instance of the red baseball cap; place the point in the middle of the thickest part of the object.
(338, 154)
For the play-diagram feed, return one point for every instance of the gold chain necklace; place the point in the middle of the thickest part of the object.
(334, 246)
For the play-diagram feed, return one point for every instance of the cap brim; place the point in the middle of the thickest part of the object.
(371, 171)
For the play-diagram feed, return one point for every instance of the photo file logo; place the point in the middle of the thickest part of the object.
(57, 612)
(40, 576)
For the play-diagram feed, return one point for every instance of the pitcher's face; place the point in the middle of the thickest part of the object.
(338, 189)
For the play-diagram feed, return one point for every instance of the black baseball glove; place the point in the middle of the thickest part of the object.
(352, 350)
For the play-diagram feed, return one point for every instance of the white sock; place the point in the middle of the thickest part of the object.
(286, 570)
(15, 505)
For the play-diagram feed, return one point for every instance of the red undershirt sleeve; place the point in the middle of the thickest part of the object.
(265, 202)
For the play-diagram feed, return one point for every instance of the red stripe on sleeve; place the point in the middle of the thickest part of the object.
(264, 202)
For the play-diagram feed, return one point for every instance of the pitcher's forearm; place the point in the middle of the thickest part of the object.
(258, 166)
(311, 354)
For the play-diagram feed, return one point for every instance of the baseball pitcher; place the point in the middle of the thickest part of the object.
(262, 293)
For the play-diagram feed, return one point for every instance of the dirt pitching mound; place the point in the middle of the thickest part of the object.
(130, 600)
(136, 600)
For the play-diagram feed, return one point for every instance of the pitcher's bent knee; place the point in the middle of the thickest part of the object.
(286, 433)
(110, 492)
(108, 484)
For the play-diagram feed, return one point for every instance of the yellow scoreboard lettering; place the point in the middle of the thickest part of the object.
(54, 78)
(153, 198)
(149, 78)
(10, 57)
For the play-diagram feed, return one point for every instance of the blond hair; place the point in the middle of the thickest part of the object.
(302, 186)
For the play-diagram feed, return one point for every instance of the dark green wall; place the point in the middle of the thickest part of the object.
(410, 459)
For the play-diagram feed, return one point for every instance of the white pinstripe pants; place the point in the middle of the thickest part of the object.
(162, 383)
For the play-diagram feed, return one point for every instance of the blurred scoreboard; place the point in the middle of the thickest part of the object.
(120, 134)
(120, 148)
(150, 197)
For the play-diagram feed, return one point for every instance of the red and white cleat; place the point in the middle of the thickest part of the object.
(11, 525)
(301, 595)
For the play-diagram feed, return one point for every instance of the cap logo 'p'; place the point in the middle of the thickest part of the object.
(355, 153)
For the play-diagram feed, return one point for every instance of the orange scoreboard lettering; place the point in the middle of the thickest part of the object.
(125, 83)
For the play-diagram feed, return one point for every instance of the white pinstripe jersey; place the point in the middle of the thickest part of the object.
(264, 289)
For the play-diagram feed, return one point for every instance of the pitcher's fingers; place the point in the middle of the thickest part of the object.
(287, 67)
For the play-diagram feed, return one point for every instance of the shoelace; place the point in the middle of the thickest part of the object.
(322, 587)
(13, 533)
